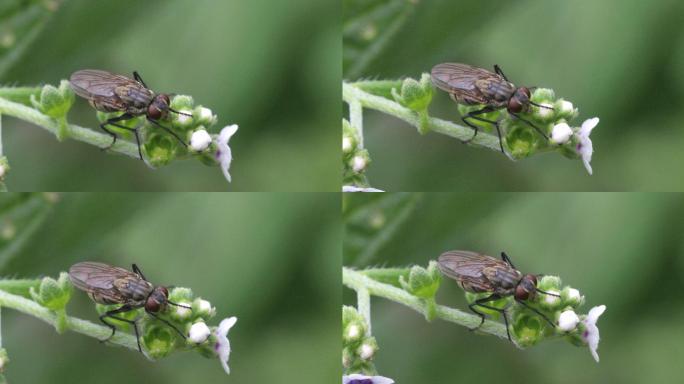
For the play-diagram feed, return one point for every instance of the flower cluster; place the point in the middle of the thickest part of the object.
(559, 304)
(188, 314)
(551, 117)
(189, 135)
(355, 159)
(358, 347)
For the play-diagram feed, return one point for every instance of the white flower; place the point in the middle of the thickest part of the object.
(199, 332)
(204, 308)
(184, 117)
(362, 379)
(366, 351)
(183, 312)
(574, 294)
(223, 154)
(206, 115)
(346, 144)
(200, 140)
(222, 347)
(567, 321)
(584, 146)
(552, 299)
(352, 188)
(561, 133)
(566, 107)
(359, 163)
(545, 112)
(591, 332)
(353, 332)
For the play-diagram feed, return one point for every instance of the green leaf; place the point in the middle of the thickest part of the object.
(372, 220)
(20, 23)
(367, 28)
(21, 215)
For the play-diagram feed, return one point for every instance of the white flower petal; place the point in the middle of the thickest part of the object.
(222, 347)
(568, 320)
(591, 333)
(199, 332)
(561, 133)
(200, 140)
(352, 188)
(359, 163)
(585, 147)
(359, 379)
(566, 106)
(223, 153)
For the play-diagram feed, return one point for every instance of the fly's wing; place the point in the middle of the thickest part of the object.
(468, 268)
(110, 92)
(89, 83)
(100, 280)
(472, 85)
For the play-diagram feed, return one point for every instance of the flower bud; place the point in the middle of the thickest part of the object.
(568, 320)
(415, 95)
(199, 332)
(200, 140)
(422, 282)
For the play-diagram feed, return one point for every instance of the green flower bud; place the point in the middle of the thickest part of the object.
(178, 294)
(353, 325)
(348, 357)
(565, 109)
(182, 102)
(366, 351)
(159, 341)
(543, 95)
(572, 297)
(528, 330)
(54, 102)
(422, 282)
(203, 308)
(4, 359)
(53, 294)
(204, 116)
(549, 283)
(160, 149)
(415, 95)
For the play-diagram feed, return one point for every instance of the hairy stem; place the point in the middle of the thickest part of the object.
(358, 281)
(85, 135)
(363, 299)
(19, 286)
(84, 327)
(352, 94)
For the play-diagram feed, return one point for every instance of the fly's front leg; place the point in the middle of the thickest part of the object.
(533, 126)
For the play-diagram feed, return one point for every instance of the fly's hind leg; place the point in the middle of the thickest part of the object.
(113, 121)
(110, 314)
(474, 115)
(481, 303)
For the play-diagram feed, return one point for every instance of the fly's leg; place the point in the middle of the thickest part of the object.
(505, 258)
(138, 271)
(113, 122)
(533, 126)
(110, 314)
(167, 323)
(168, 130)
(473, 115)
(498, 71)
(537, 312)
(481, 303)
(139, 79)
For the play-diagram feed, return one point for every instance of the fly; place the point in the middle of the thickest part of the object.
(108, 92)
(471, 85)
(106, 284)
(478, 273)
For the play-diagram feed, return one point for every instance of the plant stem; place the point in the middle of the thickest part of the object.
(19, 286)
(363, 299)
(84, 327)
(19, 94)
(358, 281)
(352, 93)
(356, 119)
(85, 135)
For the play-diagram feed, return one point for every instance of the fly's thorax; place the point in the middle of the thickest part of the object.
(157, 300)
(133, 288)
(520, 101)
(526, 288)
(502, 277)
(497, 92)
(159, 107)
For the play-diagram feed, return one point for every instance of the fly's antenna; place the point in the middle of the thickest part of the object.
(546, 293)
(178, 305)
(541, 106)
(179, 112)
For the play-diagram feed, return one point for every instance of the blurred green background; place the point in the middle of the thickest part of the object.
(273, 67)
(272, 260)
(621, 250)
(619, 60)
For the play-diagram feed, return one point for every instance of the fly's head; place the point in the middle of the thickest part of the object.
(526, 288)
(157, 300)
(520, 101)
(159, 107)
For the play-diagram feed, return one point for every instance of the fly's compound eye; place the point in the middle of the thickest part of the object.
(514, 105)
(153, 112)
(521, 293)
(152, 305)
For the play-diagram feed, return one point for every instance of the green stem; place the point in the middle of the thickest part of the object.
(19, 94)
(352, 93)
(85, 135)
(19, 286)
(84, 327)
(358, 281)
(356, 119)
(363, 299)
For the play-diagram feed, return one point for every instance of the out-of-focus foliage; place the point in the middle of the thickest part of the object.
(620, 61)
(255, 63)
(621, 250)
(272, 260)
